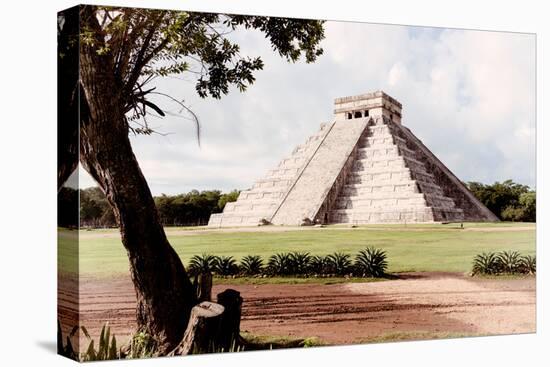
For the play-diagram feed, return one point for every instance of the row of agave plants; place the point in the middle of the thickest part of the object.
(504, 262)
(370, 262)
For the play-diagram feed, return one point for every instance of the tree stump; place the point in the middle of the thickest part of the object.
(229, 338)
(203, 287)
(202, 331)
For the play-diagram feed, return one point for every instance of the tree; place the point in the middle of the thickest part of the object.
(508, 200)
(227, 198)
(118, 52)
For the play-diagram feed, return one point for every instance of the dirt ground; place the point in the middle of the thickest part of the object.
(417, 305)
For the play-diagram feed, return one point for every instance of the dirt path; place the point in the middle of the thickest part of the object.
(418, 304)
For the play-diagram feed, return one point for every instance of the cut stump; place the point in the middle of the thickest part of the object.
(202, 331)
(232, 301)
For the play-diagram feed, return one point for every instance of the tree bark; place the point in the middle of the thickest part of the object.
(67, 95)
(203, 287)
(232, 302)
(202, 331)
(164, 293)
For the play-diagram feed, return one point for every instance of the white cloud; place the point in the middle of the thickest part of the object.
(468, 95)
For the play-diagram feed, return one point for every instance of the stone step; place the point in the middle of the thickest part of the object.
(395, 167)
(379, 129)
(359, 178)
(380, 215)
(253, 207)
(430, 188)
(371, 188)
(308, 192)
(272, 183)
(283, 172)
(382, 195)
(381, 183)
(380, 203)
(383, 149)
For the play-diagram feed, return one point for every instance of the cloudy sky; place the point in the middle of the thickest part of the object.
(468, 95)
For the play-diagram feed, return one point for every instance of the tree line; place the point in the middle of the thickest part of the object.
(508, 200)
(188, 209)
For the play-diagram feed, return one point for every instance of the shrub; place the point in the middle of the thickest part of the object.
(505, 262)
(251, 265)
(66, 350)
(204, 263)
(371, 262)
(106, 349)
(318, 265)
(142, 345)
(528, 264)
(338, 263)
(299, 262)
(509, 262)
(485, 263)
(225, 265)
(279, 264)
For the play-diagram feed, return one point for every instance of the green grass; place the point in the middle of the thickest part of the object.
(262, 342)
(415, 335)
(431, 247)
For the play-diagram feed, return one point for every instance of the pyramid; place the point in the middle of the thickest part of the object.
(364, 167)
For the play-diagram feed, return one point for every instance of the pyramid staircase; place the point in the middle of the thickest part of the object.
(259, 203)
(365, 167)
(387, 184)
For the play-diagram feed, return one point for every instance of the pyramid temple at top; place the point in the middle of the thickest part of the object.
(364, 167)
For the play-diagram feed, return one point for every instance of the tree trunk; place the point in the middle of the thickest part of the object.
(203, 330)
(203, 287)
(164, 293)
(232, 302)
(67, 95)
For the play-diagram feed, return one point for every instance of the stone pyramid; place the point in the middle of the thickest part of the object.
(364, 167)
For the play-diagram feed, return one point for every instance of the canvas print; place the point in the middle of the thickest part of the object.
(229, 183)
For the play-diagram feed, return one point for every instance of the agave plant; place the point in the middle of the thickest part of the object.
(528, 264)
(509, 262)
(338, 263)
(66, 350)
(106, 349)
(299, 262)
(318, 264)
(202, 264)
(485, 263)
(279, 264)
(371, 262)
(251, 265)
(225, 265)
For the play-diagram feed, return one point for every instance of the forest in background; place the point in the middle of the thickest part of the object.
(508, 200)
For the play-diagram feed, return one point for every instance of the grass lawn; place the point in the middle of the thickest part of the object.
(432, 247)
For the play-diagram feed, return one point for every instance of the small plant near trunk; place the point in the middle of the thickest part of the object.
(204, 263)
(225, 265)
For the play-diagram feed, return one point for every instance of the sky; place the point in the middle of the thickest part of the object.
(468, 95)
